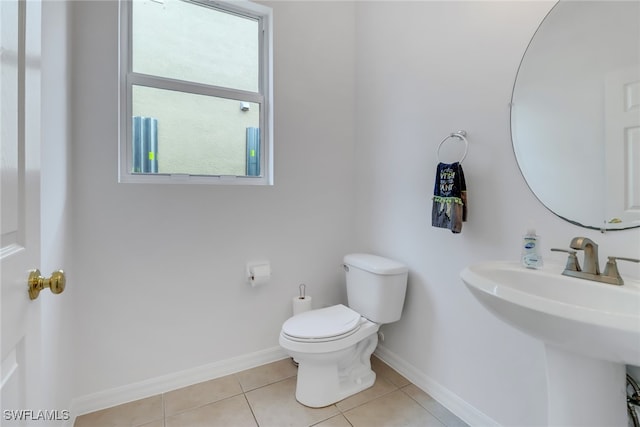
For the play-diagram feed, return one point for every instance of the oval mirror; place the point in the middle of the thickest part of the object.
(575, 113)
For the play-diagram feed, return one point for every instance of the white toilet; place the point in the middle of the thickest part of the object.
(333, 345)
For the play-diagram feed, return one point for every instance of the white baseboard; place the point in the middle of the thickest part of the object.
(444, 396)
(162, 384)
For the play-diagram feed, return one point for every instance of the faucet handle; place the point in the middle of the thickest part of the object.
(572, 261)
(611, 269)
(624, 259)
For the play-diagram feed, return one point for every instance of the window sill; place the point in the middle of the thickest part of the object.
(193, 179)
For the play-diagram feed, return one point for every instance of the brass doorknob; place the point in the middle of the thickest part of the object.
(37, 283)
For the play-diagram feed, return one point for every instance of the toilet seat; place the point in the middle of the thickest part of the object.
(325, 324)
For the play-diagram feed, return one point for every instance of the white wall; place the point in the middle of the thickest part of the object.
(159, 269)
(426, 69)
(364, 93)
(57, 310)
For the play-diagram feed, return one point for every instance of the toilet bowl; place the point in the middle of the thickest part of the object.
(333, 345)
(335, 363)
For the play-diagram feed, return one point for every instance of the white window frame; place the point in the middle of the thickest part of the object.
(128, 79)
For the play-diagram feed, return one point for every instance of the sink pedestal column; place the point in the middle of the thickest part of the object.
(583, 391)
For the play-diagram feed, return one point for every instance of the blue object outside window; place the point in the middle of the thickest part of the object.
(145, 145)
(253, 151)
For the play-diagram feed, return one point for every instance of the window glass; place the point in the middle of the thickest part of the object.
(196, 92)
(188, 41)
(192, 134)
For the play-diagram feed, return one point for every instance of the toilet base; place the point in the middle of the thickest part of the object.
(329, 378)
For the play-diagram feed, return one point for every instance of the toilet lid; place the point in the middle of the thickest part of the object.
(322, 323)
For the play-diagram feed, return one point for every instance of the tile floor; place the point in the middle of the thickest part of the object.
(265, 397)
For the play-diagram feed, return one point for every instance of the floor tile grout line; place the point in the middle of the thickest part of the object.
(272, 383)
(368, 401)
(204, 404)
(423, 407)
(253, 414)
(164, 414)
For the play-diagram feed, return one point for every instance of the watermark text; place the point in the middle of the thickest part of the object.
(36, 415)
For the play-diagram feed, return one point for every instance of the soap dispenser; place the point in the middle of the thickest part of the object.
(530, 256)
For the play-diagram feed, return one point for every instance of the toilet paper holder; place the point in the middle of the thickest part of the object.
(258, 273)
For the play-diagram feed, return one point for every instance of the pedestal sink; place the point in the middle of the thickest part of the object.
(590, 331)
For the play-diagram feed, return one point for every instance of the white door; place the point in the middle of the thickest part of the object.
(20, 209)
(622, 146)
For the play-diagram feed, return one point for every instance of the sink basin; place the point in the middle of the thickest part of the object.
(591, 318)
(590, 331)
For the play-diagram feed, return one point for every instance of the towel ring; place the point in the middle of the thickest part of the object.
(461, 135)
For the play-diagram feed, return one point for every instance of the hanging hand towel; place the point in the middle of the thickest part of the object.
(449, 197)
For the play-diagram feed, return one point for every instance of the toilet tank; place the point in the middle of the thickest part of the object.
(376, 286)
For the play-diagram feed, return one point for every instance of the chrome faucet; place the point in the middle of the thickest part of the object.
(591, 270)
